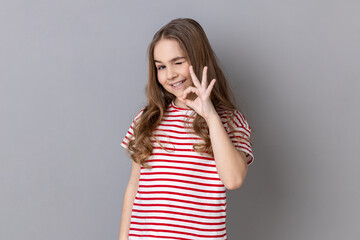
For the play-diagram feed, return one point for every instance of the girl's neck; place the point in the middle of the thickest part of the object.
(180, 104)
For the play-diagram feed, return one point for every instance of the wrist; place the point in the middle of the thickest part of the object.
(213, 117)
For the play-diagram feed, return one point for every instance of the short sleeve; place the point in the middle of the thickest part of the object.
(130, 133)
(239, 134)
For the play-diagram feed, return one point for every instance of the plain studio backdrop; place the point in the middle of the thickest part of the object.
(73, 75)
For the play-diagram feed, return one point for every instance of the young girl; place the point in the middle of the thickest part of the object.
(188, 144)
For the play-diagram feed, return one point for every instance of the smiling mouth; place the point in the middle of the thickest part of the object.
(178, 83)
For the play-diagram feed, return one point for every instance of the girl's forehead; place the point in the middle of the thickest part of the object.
(167, 49)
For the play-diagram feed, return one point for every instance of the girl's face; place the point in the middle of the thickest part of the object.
(172, 67)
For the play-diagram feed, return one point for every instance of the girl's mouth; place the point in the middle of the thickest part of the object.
(178, 85)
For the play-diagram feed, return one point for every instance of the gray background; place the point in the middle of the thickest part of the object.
(72, 77)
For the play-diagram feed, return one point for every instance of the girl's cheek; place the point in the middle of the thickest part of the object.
(161, 76)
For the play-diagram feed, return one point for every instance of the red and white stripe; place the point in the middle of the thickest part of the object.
(182, 196)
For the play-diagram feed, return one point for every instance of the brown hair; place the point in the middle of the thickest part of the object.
(194, 43)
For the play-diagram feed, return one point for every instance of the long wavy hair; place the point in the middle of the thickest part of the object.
(197, 49)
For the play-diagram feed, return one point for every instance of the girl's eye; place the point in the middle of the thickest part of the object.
(160, 67)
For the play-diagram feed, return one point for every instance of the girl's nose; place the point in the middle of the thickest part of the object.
(171, 73)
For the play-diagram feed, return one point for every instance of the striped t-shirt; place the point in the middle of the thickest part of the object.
(182, 196)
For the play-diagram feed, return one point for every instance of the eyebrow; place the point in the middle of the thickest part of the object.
(172, 60)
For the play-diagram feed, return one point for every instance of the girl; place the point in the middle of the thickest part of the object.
(188, 144)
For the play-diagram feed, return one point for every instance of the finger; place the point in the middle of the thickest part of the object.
(193, 77)
(204, 78)
(187, 102)
(189, 90)
(209, 89)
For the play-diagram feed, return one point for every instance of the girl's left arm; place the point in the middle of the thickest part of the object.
(230, 163)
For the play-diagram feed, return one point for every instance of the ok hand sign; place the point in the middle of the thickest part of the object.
(202, 104)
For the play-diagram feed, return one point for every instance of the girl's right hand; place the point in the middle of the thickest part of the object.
(202, 104)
